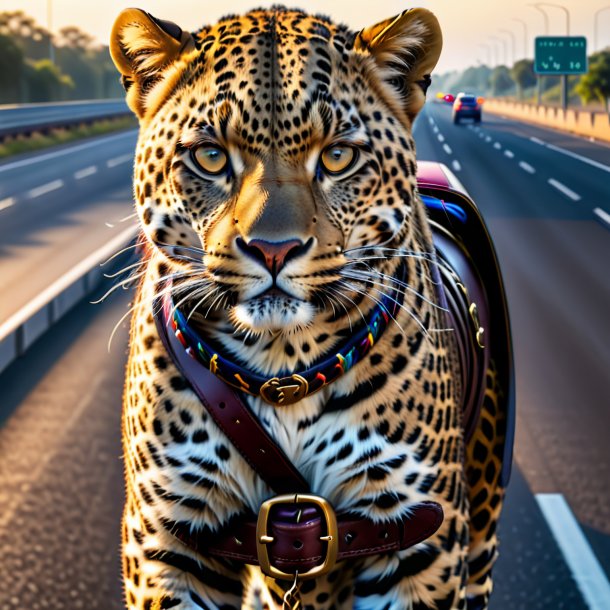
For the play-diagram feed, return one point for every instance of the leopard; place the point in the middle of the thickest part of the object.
(275, 184)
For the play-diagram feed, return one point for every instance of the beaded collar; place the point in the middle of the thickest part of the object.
(288, 389)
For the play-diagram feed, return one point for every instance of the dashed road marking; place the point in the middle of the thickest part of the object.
(569, 153)
(447, 148)
(118, 160)
(509, 153)
(430, 120)
(497, 145)
(7, 203)
(455, 164)
(441, 137)
(564, 189)
(44, 189)
(537, 141)
(576, 550)
(527, 167)
(488, 138)
(603, 216)
(435, 129)
(87, 171)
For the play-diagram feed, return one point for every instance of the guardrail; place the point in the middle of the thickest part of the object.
(41, 118)
(20, 331)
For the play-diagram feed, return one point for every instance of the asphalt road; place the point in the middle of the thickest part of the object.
(60, 472)
(55, 208)
(27, 115)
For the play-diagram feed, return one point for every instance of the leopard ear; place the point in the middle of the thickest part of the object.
(405, 49)
(142, 48)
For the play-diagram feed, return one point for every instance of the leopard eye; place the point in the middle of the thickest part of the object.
(338, 158)
(211, 159)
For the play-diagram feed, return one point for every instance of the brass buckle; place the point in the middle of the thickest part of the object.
(285, 391)
(263, 538)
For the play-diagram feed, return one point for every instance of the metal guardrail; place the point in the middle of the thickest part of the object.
(22, 329)
(31, 118)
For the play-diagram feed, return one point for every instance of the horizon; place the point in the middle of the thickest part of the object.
(465, 45)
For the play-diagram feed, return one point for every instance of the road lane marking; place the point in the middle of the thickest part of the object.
(441, 137)
(87, 171)
(455, 164)
(576, 550)
(569, 153)
(6, 203)
(603, 216)
(435, 129)
(118, 160)
(44, 189)
(537, 141)
(430, 120)
(509, 153)
(497, 146)
(66, 151)
(527, 167)
(564, 189)
(488, 138)
(447, 148)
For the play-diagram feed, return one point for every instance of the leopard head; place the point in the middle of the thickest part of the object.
(275, 167)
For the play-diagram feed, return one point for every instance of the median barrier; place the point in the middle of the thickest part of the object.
(594, 125)
(23, 328)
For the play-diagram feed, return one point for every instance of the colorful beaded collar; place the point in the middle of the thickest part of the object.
(286, 390)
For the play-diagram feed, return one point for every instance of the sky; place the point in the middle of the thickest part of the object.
(468, 25)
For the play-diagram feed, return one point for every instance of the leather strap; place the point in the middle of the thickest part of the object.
(297, 546)
(230, 413)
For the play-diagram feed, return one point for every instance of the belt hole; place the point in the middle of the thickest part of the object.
(237, 541)
(262, 450)
(237, 421)
(383, 534)
(297, 544)
(349, 537)
(221, 405)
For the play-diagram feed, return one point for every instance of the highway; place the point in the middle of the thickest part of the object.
(60, 467)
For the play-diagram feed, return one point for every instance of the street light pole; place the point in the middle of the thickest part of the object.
(546, 33)
(49, 26)
(504, 45)
(595, 24)
(486, 46)
(513, 43)
(524, 35)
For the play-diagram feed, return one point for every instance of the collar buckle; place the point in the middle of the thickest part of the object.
(284, 391)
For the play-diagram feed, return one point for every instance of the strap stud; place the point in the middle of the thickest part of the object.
(266, 539)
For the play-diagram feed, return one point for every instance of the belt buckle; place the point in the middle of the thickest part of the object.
(263, 538)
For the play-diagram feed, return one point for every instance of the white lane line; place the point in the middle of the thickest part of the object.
(569, 153)
(441, 137)
(87, 171)
(488, 138)
(118, 160)
(564, 189)
(576, 550)
(44, 189)
(66, 151)
(447, 148)
(435, 129)
(6, 203)
(537, 141)
(603, 216)
(430, 120)
(527, 167)
(509, 153)
(455, 164)
(497, 145)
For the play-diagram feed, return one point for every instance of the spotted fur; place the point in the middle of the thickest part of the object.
(273, 89)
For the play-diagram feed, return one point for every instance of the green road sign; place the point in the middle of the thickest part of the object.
(560, 55)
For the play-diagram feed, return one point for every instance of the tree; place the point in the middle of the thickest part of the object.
(11, 70)
(500, 80)
(523, 75)
(46, 83)
(596, 83)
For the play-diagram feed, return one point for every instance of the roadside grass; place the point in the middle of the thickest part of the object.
(37, 141)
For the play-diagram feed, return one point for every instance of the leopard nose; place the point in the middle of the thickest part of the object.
(273, 254)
